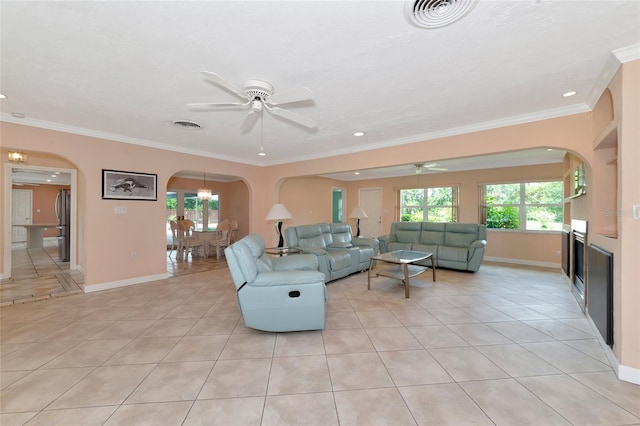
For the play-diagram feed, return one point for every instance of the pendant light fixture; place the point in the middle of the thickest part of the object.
(204, 193)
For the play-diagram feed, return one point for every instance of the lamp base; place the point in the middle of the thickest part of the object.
(279, 231)
(357, 228)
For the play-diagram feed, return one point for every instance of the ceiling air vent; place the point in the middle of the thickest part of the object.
(433, 14)
(185, 124)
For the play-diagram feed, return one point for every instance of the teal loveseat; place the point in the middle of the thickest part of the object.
(454, 245)
(339, 253)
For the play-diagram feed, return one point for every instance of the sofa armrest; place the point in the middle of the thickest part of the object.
(477, 244)
(364, 241)
(281, 278)
(476, 253)
(384, 240)
(311, 250)
(295, 262)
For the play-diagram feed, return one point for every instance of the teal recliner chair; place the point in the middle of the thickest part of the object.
(277, 294)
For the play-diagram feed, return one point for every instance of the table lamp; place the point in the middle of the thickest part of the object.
(279, 213)
(357, 214)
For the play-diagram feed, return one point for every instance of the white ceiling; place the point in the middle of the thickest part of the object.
(126, 70)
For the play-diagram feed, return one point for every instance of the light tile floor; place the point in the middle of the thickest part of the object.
(506, 345)
(38, 274)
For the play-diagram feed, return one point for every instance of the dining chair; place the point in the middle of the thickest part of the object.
(187, 241)
(174, 237)
(223, 238)
(234, 230)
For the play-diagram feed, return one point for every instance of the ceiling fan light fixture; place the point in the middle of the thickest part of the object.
(569, 94)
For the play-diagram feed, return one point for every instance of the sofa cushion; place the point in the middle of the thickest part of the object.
(307, 231)
(316, 242)
(399, 246)
(456, 254)
(340, 245)
(432, 233)
(429, 248)
(246, 262)
(339, 259)
(264, 264)
(255, 244)
(407, 236)
(460, 234)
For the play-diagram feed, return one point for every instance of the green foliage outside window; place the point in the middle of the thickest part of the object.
(532, 206)
(428, 204)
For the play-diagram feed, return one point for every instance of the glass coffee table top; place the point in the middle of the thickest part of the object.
(403, 269)
(403, 256)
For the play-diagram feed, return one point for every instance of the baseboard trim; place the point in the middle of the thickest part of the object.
(629, 374)
(522, 262)
(123, 283)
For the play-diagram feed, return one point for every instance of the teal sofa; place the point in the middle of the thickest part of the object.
(454, 245)
(277, 294)
(339, 253)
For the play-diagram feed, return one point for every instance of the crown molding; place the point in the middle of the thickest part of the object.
(4, 117)
(457, 131)
(611, 66)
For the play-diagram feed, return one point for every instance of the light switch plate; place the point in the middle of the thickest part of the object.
(636, 212)
(120, 210)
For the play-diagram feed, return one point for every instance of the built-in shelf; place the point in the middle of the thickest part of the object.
(608, 138)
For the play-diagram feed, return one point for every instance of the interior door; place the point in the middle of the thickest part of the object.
(371, 202)
(21, 200)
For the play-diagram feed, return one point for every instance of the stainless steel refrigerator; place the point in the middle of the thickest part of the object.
(63, 212)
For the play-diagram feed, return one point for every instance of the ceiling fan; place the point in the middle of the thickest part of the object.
(432, 167)
(257, 95)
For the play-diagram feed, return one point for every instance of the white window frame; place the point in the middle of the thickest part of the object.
(522, 206)
(455, 202)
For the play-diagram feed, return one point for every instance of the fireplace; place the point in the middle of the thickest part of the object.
(579, 236)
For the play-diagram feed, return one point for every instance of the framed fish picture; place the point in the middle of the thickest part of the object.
(121, 185)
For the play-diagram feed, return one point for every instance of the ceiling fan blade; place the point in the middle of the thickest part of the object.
(297, 95)
(430, 165)
(292, 116)
(437, 169)
(209, 106)
(249, 121)
(215, 78)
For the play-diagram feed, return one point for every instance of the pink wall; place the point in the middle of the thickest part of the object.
(106, 240)
(535, 248)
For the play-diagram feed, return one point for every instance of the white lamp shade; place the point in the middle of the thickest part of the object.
(358, 213)
(278, 212)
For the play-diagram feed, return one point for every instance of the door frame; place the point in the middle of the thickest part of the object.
(7, 208)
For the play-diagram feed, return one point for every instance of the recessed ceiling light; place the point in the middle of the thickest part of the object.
(549, 149)
(357, 134)
(356, 173)
(569, 94)
(3, 96)
(54, 175)
(48, 180)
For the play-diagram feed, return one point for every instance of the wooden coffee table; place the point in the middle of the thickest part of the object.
(403, 268)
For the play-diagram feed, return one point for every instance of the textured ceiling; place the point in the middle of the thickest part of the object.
(126, 70)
